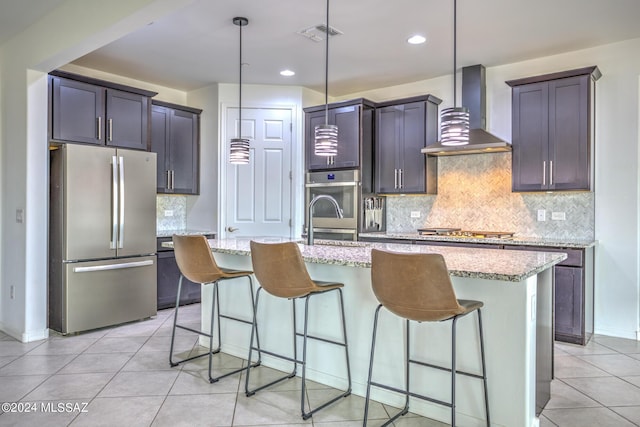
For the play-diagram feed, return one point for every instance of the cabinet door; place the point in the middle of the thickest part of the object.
(160, 117)
(568, 302)
(569, 150)
(412, 161)
(183, 152)
(168, 276)
(348, 121)
(530, 130)
(311, 121)
(127, 119)
(387, 146)
(78, 112)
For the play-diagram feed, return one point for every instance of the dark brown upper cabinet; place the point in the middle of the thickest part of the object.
(348, 117)
(92, 111)
(553, 116)
(403, 128)
(175, 137)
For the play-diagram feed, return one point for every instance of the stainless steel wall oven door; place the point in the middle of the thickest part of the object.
(344, 187)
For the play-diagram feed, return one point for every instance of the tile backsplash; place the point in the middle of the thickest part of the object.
(171, 213)
(474, 193)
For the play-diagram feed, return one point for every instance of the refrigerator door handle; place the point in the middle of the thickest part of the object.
(114, 202)
(113, 266)
(121, 204)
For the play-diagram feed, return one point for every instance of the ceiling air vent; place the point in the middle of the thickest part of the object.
(318, 32)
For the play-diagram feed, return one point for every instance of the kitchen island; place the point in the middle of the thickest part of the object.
(515, 286)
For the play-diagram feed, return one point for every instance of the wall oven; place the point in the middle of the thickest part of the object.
(344, 187)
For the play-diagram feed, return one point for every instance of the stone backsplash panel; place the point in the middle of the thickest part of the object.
(474, 193)
(177, 205)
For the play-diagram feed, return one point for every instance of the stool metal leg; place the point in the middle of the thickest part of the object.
(407, 359)
(254, 330)
(307, 415)
(305, 336)
(484, 370)
(344, 336)
(453, 371)
(175, 320)
(373, 349)
(176, 325)
(218, 316)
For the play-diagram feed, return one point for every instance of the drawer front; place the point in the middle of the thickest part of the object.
(575, 257)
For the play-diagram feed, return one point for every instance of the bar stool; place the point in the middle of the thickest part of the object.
(280, 270)
(418, 287)
(196, 262)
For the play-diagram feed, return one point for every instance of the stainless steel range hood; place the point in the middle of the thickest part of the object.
(474, 98)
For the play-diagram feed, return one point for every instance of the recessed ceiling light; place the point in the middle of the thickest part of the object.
(417, 39)
(287, 73)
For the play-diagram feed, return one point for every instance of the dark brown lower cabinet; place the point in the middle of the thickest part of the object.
(573, 296)
(168, 276)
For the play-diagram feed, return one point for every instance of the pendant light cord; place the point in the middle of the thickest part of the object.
(240, 89)
(454, 51)
(326, 73)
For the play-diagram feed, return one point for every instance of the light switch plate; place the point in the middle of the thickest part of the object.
(558, 216)
(168, 212)
(542, 215)
(415, 214)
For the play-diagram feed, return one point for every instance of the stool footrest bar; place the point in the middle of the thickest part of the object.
(404, 392)
(444, 368)
(322, 339)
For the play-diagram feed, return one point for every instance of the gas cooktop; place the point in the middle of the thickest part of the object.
(458, 232)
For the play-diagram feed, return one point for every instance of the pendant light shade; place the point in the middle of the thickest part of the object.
(454, 126)
(239, 146)
(454, 122)
(326, 135)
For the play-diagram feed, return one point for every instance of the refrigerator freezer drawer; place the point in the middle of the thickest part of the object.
(103, 293)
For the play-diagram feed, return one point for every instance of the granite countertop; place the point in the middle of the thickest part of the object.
(515, 240)
(183, 231)
(491, 264)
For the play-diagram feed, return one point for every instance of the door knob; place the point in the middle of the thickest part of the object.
(232, 229)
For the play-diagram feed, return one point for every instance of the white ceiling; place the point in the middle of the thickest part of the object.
(198, 45)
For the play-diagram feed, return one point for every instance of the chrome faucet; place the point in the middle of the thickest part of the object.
(310, 214)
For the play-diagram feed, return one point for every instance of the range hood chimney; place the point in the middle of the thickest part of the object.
(474, 98)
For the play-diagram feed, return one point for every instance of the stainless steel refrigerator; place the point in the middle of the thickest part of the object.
(102, 237)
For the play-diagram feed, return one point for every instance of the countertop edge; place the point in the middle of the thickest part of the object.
(516, 241)
(556, 258)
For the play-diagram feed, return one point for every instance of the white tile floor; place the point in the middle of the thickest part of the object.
(121, 377)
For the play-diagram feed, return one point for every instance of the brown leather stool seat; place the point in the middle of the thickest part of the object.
(196, 262)
(417, 287)
(281, 272)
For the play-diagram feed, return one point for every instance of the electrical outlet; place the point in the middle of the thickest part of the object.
(19, 216)
(12, 292)
(542, 215)
(558, 216)
(168, 212)
(415, 214)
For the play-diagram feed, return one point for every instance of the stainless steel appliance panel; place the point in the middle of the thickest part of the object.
(108, 292)
(86, 189)
(137, 202)
(344, 187)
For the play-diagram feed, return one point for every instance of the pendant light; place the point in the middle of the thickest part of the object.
(454, 122)
(239, 146)
(326, 135)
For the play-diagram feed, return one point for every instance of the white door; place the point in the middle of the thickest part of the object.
(258, 195)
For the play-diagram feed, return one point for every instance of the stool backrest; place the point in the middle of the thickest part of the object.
(280, 269)
(414, 286)
(195, 259)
